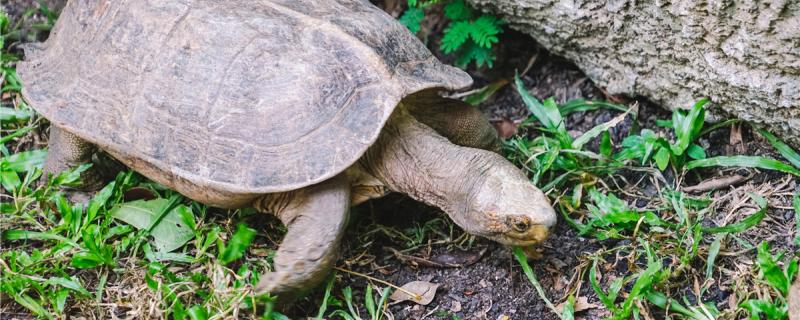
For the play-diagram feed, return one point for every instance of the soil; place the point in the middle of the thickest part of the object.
(495, 286)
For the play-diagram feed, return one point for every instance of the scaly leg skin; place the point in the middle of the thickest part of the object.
(480, 190)
(67, 151)
(315, 217)
(461, 123)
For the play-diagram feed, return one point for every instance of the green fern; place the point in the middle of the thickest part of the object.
(469, 35)
(412, 18)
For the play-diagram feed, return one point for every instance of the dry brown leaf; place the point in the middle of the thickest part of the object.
(582, 303)
(425, 292)
(505, 127)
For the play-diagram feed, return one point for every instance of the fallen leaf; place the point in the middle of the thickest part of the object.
(505, 127)
(582, 303)
(168, 234)
(459, 258)
(424, 290)
(716, 183)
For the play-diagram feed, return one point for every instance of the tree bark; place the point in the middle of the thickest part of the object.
(742, 54)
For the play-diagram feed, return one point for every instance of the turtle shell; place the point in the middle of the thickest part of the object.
(238, 96)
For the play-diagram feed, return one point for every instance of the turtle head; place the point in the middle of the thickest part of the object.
(506, 207)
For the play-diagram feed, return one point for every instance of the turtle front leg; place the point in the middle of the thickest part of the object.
(67, 151)
(461, 123)
(315, 217)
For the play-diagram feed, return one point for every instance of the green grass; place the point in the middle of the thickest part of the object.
(667, 242)
(137, 246)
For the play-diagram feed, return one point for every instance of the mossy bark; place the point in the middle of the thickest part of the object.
(742, 54)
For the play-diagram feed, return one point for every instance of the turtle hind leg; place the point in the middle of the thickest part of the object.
(461, 123)
(68, 151)
(315, 217)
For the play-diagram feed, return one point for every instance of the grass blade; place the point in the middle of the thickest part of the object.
(35, 235)
(526, 268)
(796, 204)
(713, 251)
(746, 223)
(484, 93)
(328, 289)
(597, 130)
(551, 119)
(578, 105)
(785, 150)
(743, 161)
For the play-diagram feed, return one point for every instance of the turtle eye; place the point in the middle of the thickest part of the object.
(521, 226)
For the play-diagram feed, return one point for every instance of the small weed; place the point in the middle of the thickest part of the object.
(775, 305)
(470, 35)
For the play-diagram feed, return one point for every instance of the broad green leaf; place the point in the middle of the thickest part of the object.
(696, 152)
(32, 305)
(758, 307)
(197, 312)
(606, 149)
(71, 284)
(568, 312)
(551, 119)
(688, 126)
(168, 234)
(10, 180)
(369, 302)
(743, 161)
(86, 260)
(14, 115)
(662, 158)
(23, 161)
(238, 244)
(773, 274)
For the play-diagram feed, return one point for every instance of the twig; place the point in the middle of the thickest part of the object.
(716, 183)
(416, 297)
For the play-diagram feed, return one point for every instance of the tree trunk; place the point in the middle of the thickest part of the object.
(742, 54)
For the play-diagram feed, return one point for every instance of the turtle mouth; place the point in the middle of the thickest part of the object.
(534, 235)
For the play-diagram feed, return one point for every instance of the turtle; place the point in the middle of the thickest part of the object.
(297, 108)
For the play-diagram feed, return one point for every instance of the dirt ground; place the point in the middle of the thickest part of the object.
(494, 286)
